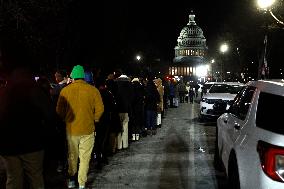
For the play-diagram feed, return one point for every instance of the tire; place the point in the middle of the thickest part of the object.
(233, 173)
(201, 118)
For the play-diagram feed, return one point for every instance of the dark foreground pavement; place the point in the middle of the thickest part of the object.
(179, 156)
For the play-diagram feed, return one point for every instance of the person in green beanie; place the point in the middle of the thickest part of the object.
(80, 106)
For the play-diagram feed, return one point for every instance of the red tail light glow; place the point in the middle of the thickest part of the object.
(272, 160)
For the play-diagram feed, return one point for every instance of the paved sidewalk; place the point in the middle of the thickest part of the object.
(55, 180)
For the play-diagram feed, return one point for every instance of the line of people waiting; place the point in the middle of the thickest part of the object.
(73, 120)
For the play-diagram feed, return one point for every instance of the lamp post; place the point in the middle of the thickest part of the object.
(266, 5)
(223, 49)
(139, 68)
(212, 70)
(263, 69)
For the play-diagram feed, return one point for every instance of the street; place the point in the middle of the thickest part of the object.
(179, 156)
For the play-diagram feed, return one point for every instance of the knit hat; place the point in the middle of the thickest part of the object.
(135, 79)
(78, 72)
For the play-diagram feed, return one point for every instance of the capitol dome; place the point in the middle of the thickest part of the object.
(190, 50)
(191, 35)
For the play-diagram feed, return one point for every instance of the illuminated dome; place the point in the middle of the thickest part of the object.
(190, 51)
(191, 43)
(191, 35)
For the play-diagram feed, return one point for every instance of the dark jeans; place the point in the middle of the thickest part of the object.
(151, 119)
(30, 164)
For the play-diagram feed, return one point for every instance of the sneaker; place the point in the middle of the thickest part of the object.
(71, 183)
(82, 187)
(133, 137)
(137, 136)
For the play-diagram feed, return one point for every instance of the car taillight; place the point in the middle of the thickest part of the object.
(272, 160)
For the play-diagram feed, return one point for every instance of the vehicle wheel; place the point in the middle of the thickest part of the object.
(217, 160)
(233, 174)
(201, 118)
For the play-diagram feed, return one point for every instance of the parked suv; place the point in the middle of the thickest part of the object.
(250, 137)
(219, 92)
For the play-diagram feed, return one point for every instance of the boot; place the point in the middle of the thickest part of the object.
(149, 132)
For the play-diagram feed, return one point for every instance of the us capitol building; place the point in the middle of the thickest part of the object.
(190, 51)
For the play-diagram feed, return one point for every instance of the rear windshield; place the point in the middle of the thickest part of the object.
(269, 114)
(236, 88)
(220, 88)
(207, 86)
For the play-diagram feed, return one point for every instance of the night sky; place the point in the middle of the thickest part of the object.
(109, 34)
(151, 28)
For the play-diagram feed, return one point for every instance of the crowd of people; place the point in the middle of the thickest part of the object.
(87, 118)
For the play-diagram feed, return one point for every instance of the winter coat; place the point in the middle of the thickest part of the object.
(138, 103)
(80, 105)
(152, 97)
(25, 116)
(160, 88)
(123, 94)
(110, 117)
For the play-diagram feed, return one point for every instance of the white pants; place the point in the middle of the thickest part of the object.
(122, 138)
(176, 102)
(159, 118)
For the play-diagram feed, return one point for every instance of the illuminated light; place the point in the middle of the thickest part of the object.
(224, 48)
(201, 71)
(138, 57)
(265, 4)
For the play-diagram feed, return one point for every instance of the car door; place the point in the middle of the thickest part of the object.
(233, 122)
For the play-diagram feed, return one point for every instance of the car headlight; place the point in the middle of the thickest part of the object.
(203, 99)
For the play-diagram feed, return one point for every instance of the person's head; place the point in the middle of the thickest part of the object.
(136, 79)
(89, 77)
(60, 75)
(118, 73)
(78, 72)
(100, 83)
(158, 81)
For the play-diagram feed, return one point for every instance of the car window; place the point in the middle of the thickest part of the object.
(242, 102)
(236, 88)
(220, 88)
(207, 86)
(268, 115)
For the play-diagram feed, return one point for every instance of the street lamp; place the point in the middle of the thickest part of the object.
(267, 5)
(263, 69)
(212, 70)
(223, 49)
(264, 4)
(138, 57)
(138, 69)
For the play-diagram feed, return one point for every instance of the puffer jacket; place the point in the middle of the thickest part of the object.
(80, 105)
(160, 88)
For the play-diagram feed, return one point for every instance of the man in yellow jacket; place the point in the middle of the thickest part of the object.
(80, 106)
